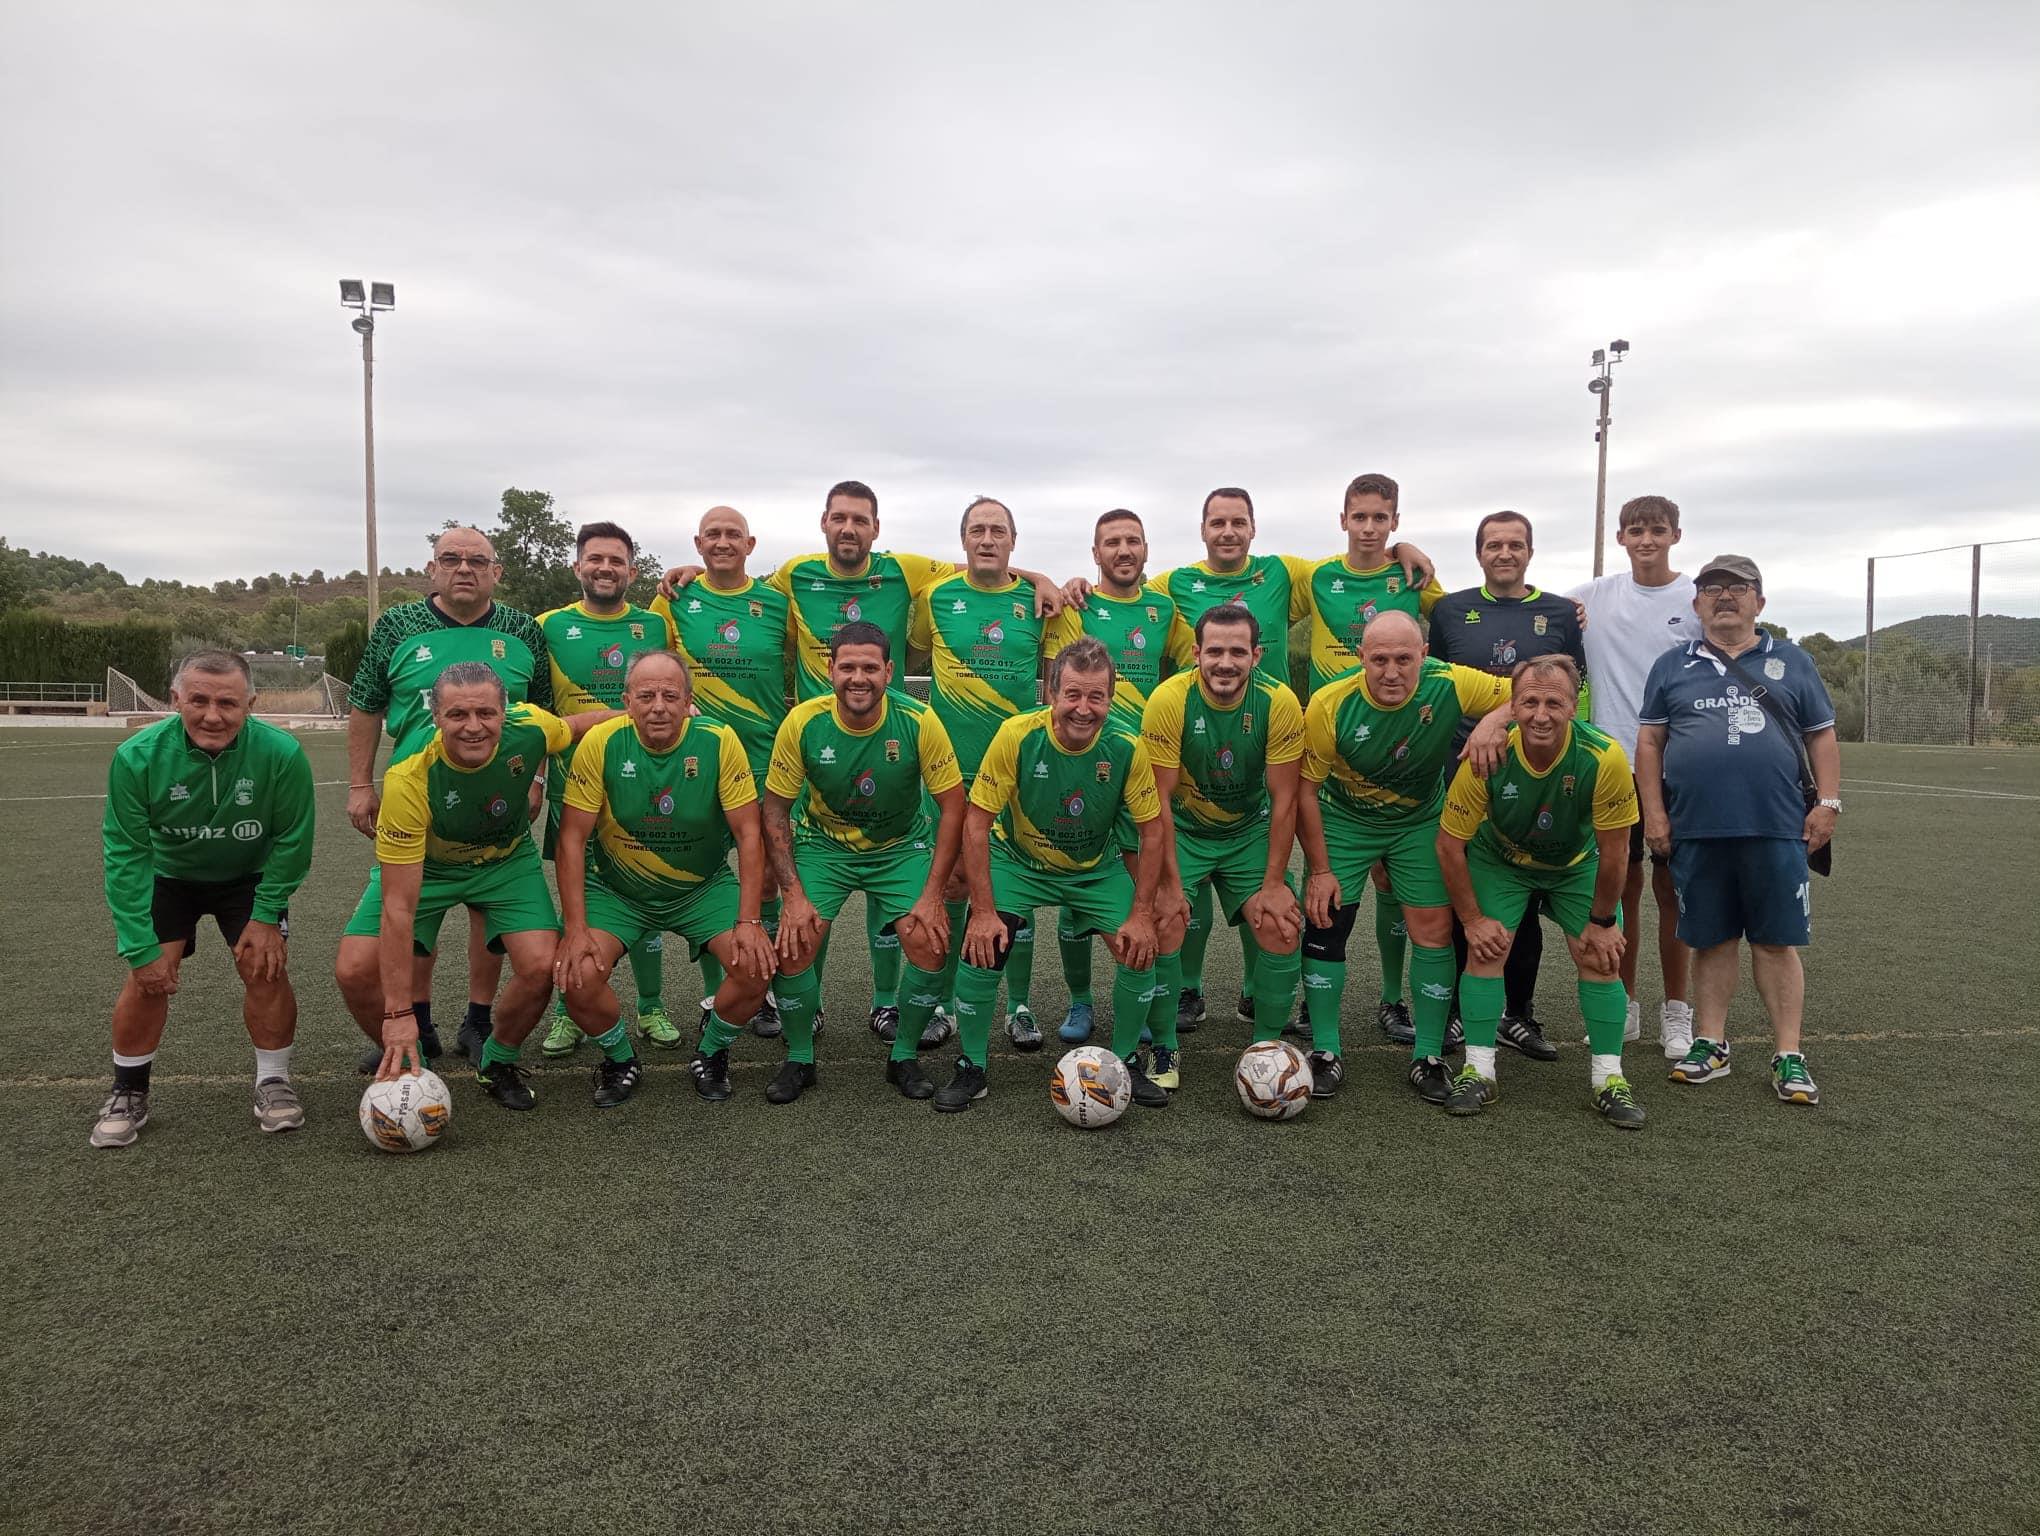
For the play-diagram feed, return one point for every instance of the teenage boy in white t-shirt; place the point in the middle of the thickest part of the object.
(1633, 616)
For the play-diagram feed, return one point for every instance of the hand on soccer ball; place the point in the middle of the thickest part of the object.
(400, 1045)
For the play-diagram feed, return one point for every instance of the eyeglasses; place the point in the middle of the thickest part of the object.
(1732, 588)
(471, 562)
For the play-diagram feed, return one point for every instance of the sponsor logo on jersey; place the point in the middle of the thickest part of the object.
(629, 768)
(851, 612)
(613, 656)
(573, 631)
(179, 792)
(731, 633)
(690, 768)
(1504, 653)
(1073, 807)
(1774, 668)
(892, 749)
(1225, 758)
(247, 831)
(664, 803)
(1402, 750)
(867, 786)
(1367, 614)
(1137, 639)
(424, 653)
(452, 798)
(828, 754)
(1544, 818)
(498, 650)
(1509, 791)
(1539, 624)
(995, 632)
(499, 806)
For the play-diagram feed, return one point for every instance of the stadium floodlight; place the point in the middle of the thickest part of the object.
(368, 299)
(351, 291)
(384, 296)
(1601, 386)
(1597, 386)
(1618, 347)
(1600, 356)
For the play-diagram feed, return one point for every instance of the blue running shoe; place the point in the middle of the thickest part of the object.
(1076, 1025)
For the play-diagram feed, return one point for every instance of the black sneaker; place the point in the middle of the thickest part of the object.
(885, 1022)
(504, 1082)
(1243, 1010)
(765, 1022)
(1520, 1032)
(937, 1030)
(616, 1081)
(1326, 1073)
(428, 1047)
(1022, 1030)
(1396, 1023)
(712, 1075)
(1298, 1028)
(962, 1090)
(1147, 1093)
(1189, 1010)
(820, 1020)
(908, 1077)
(791, 1080)
(1455, 1035)
(470, 1040)
(1432, 1079)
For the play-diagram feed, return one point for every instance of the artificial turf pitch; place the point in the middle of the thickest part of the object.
(852, 1314)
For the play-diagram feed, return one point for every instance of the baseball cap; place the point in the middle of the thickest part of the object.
(1736, 567)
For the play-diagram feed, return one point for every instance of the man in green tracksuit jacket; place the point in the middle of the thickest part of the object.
(207, 814)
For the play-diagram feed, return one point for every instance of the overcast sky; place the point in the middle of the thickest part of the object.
(1071, 256)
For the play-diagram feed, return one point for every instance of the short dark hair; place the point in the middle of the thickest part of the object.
(1085, 655)
(1117, 515)
(214, 663)
(602, 531)
(1374, 485)
(860, 632)
(1230, 613)
(1231, 491)
(963, 527)
(1480, 533)
(1639, 509)
(856, 490)
(469, 674)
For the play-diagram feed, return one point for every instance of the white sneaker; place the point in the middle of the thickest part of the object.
(1632, 1022)
(1675, 1029)
(121, 1118)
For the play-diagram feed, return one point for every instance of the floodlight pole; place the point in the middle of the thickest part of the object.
(1602, 384)
(366, 325)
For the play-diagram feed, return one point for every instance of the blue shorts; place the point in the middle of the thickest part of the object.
(1754, 888)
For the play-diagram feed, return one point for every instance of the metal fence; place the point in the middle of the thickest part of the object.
(1950, 652)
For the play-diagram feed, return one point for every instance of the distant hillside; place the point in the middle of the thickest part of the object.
(1949, 633)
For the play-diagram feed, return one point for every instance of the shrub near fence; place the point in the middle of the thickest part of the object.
(35, 648)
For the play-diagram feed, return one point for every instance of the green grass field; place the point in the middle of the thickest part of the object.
(852, 1314)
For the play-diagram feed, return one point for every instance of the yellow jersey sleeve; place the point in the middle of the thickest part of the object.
(1465, 804)
(920, 625)
(1060, 632)
(1143, 802)
(585, 791)
(734, 786)
(993, 787)
(1285, 726)
(781, 580)
(1180, 649)
(939, 770)
(406, 816)
(786, 777)
(1480, 692)
(922, 573)
(558, 734)
(1301, 603)
(1614, 791)
(1161, 728)
(1428, 598)
(1320, 725)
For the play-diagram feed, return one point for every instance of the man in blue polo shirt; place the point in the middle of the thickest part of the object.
(1724, 726)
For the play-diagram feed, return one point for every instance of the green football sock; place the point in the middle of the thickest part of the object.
(1197, 937)
(885, 959)
(1324, 984)
(769, 910)
(920, 995)
(1161, 1010)
(712, 974)
(495, 1051)
(1250, 957)
(977, 999)
(648, 970)
(718, 1035)
(1020, 967)
(799, 996)
(1275, 993)
(1076, 961)
(1605, 1006)
(616, 1044)
(1130, 991)
(1480, 1009)
(1393, 940)
(1431, 1001)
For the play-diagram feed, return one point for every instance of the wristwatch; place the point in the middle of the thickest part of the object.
(1602, 922)
(1832, 805)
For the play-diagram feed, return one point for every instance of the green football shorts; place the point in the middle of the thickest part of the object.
(1505, 890)
(1410, 852)
(697, 915)
(511, 894)
(1096, 900)
(892, 879)
(1234, 866)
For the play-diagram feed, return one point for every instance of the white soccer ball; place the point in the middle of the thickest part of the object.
(406, 1113)
(1090, 1087)
(1273, 1079)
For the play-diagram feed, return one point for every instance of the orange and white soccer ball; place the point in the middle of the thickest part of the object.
(406, 1113)
(1090, 1087)
(1273, 1079)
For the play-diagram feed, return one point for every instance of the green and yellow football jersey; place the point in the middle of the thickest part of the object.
(661, 823)
(739, 646)
(881, 592)
(1386, 767)
(862, 790)
(1056, 806)
(451, 818)
(1221, 755)
(589, 654)
(413, 643)
(984, 648)
(1145, 635)
(1344, 601)
(1275, 589)
(1544, 820)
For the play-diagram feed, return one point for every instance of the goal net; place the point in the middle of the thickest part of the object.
(1930, 681)
(125, 696)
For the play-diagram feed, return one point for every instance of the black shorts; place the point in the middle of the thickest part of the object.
(1636, 833)
(179, 904)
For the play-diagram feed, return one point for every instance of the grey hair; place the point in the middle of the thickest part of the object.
(214, 663)
(1085, 655)
(468, 674)
(1557, 662)
(1012, 523)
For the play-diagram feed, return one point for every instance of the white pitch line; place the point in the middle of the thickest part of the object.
(1946, 789)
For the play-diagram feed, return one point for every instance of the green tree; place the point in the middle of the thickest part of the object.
(13, 579)
(344, 648)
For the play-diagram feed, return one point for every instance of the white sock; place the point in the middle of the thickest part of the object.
(1482, 1059)
(1605, 1067)
(272, 1064)
(133, 1061)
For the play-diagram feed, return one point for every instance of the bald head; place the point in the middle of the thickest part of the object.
(724, 541)
(1392, 654)
(1391, 628)
(716, 515)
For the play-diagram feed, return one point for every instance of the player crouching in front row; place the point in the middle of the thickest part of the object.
(1552, 819)
(455, 830)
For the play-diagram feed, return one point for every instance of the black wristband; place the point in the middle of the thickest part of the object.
(1602, 922)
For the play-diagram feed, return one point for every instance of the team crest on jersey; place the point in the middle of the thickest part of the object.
(1567, 783)
(1423, 714)
(1247, 723)
(499, 806)
(637, 631)
(244, 792)
(1394, 585)
(1774, 669)
(498, 650)
(516, 764)
(757, 609)
(892, 749)
(867, 786)
(613, 656)
(1104, 770)
(1260, 577)
(1154, 615)
(1019, 610)
(1539, 624)
(424, 653)
(690, 768)
(573, 631)
(876, 581)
